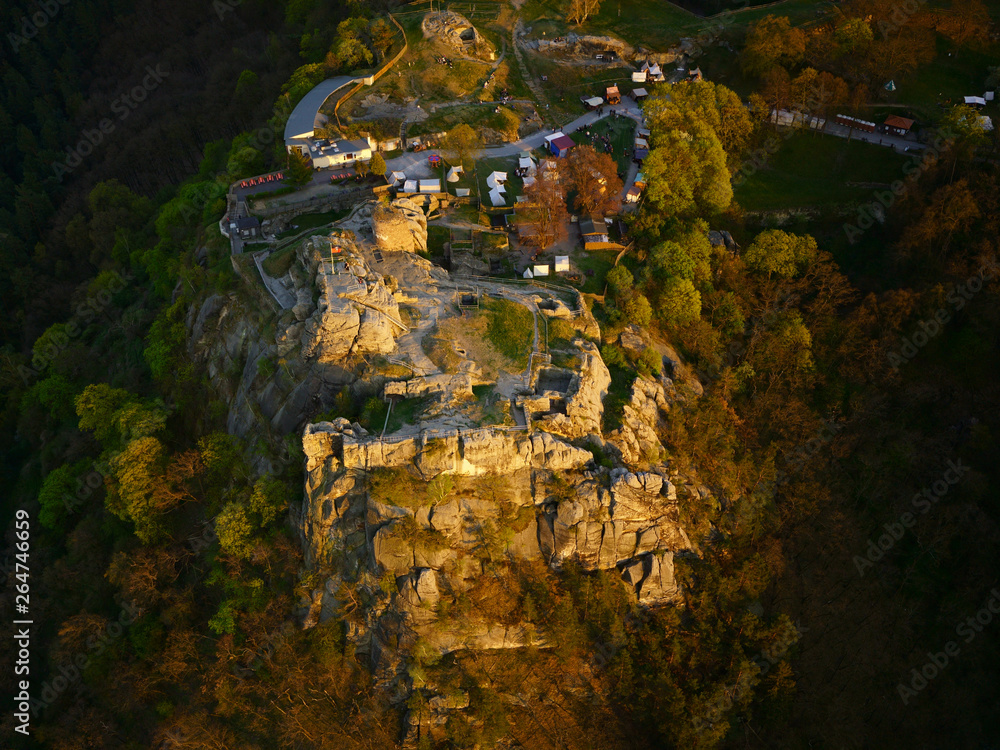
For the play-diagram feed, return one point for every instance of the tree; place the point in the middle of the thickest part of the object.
(687, 173)
(668, 259)
(679, 302)
(235, 531)
(382, 35)
(544, 211)
(579, 11)
(98, 407)
(853, 35)
(362, 168)
(377, 164)
(594, 177)
(462, 144)
(299, 170)
(779, 253)
(713, 104)
(772, 41)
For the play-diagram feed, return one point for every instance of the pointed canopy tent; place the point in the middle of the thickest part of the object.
(496, 198)
(496, 180)
(453, 174)
(528, 274)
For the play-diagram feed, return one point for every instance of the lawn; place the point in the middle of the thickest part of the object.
(811, 170)
(312, 221)
(277, 264)
(956, 72)
(659, 25)
(436, 237)
(484, 167)
(598, 261)
(510, 328)
(620, 131)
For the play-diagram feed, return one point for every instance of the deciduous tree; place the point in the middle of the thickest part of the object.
(772, 41)
(544, 211)
(594, 178)
(462, 144)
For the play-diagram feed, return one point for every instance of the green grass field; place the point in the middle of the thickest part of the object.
(515, 185)
(811, 170)
(621, 133)
(510, 329)
(658, 24)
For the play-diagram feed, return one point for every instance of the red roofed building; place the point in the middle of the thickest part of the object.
(897, 125)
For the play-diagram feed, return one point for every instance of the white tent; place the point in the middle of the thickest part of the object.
(496, 180)
(462, 192)
(453, 174)
(985, 123)
(562, 263)
(525, 162)
(496, 198)
(975, 100)
(557, 134)
(639, 77)
(410, 186)
(988, 96)
(594, 101)
(528, 274)
(430, 186)
(397, 178)
(541, 269)
(641, 143)
(529, 180)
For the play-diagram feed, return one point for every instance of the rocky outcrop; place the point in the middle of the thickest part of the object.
(583, 399)
(399, 227)
(355, 313)
(643, 418)
(457, 386)
(454, 504)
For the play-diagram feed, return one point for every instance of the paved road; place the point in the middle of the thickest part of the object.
(414, 164)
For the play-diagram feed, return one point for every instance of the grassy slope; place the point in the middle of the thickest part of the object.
(810, 170)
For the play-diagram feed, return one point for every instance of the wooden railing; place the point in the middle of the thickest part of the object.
(354, 89)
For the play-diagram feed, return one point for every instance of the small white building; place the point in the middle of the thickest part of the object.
(339, 153)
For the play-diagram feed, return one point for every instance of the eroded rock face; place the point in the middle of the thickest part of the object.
(355, 312)
(583, 399)
(547, 503)
(399, 227)
(637, 439)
